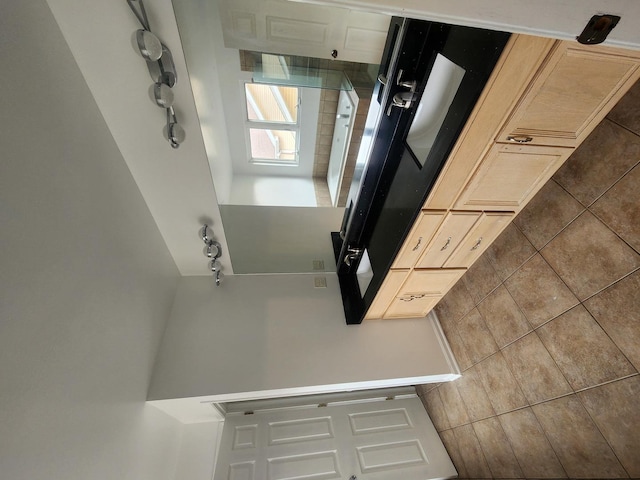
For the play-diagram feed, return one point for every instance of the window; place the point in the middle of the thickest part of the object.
(273, 126)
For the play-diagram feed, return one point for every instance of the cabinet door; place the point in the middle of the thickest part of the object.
(571, 94)
(421, 292)
(421, 234)
(452, 231)
(485, 231)
(510, 175)
(386, 294)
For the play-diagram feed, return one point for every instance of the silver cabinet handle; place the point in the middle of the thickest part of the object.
(475, 247)
(519, 138)
(382, 79)
(446, 245)
(411, 297)
(417, 245)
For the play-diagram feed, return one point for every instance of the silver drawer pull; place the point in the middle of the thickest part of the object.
(475, 247)
(411, 297)
(417, 244)
(519, 138)
(446, 245)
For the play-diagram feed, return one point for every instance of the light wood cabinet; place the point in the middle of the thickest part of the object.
(484, 232)
(420, 236)
(543, 99)
(571, 94)
(453, 230)
(421, 291)
(510, 175)
(387, 293)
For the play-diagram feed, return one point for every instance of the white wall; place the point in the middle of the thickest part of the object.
(257, 334)
(263, 190)
(86, 282)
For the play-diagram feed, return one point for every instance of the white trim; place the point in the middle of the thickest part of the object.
(444, 344)
(337, 387)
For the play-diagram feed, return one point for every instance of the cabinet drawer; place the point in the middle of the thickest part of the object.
(385, 296)
(411, 306)
(430, 281)
(571, 94)
(510, 175)
(421, 234)
(421, 292)
(453, 230)
(484, 232)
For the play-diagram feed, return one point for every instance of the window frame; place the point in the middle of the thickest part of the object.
(269, 125)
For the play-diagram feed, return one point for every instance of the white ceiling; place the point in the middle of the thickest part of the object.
(177, 184)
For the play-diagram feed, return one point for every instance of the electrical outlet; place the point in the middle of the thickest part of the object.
(318, 265)
(320, 282)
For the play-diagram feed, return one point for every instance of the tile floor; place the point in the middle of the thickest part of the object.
(546, 326)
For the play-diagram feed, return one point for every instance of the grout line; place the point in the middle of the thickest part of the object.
(593, 420)
(631, 375)
(601, 220)
(544, 432)
(621, 126)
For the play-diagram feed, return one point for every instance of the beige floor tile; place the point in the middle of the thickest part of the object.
(451, 444)
(603, 158)
(530, 445)
(453, 405)
(589, 257)
(474, 396)
(509, 251)
(535, 370)
(481, 279)
(459, 349)
(539, 291)
(583, 351)
(503, 317)
(581, 448)
(476, 337)
(455, 304)
(626, 112)
(617, 310)
(474, 461)
(547, 214)
(615, 408)
(497, 449)
(436, 409)
(500, 384)
(619, 208)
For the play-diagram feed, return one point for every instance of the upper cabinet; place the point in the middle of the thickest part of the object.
(294, 28)
(572, 92)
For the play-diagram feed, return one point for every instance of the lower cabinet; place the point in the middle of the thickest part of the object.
(452, 232)
(413, 293)
(519, 135)
(483, 233)
(510, 175)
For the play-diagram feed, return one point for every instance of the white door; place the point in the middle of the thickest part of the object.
(379, 440)
(295, 28)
